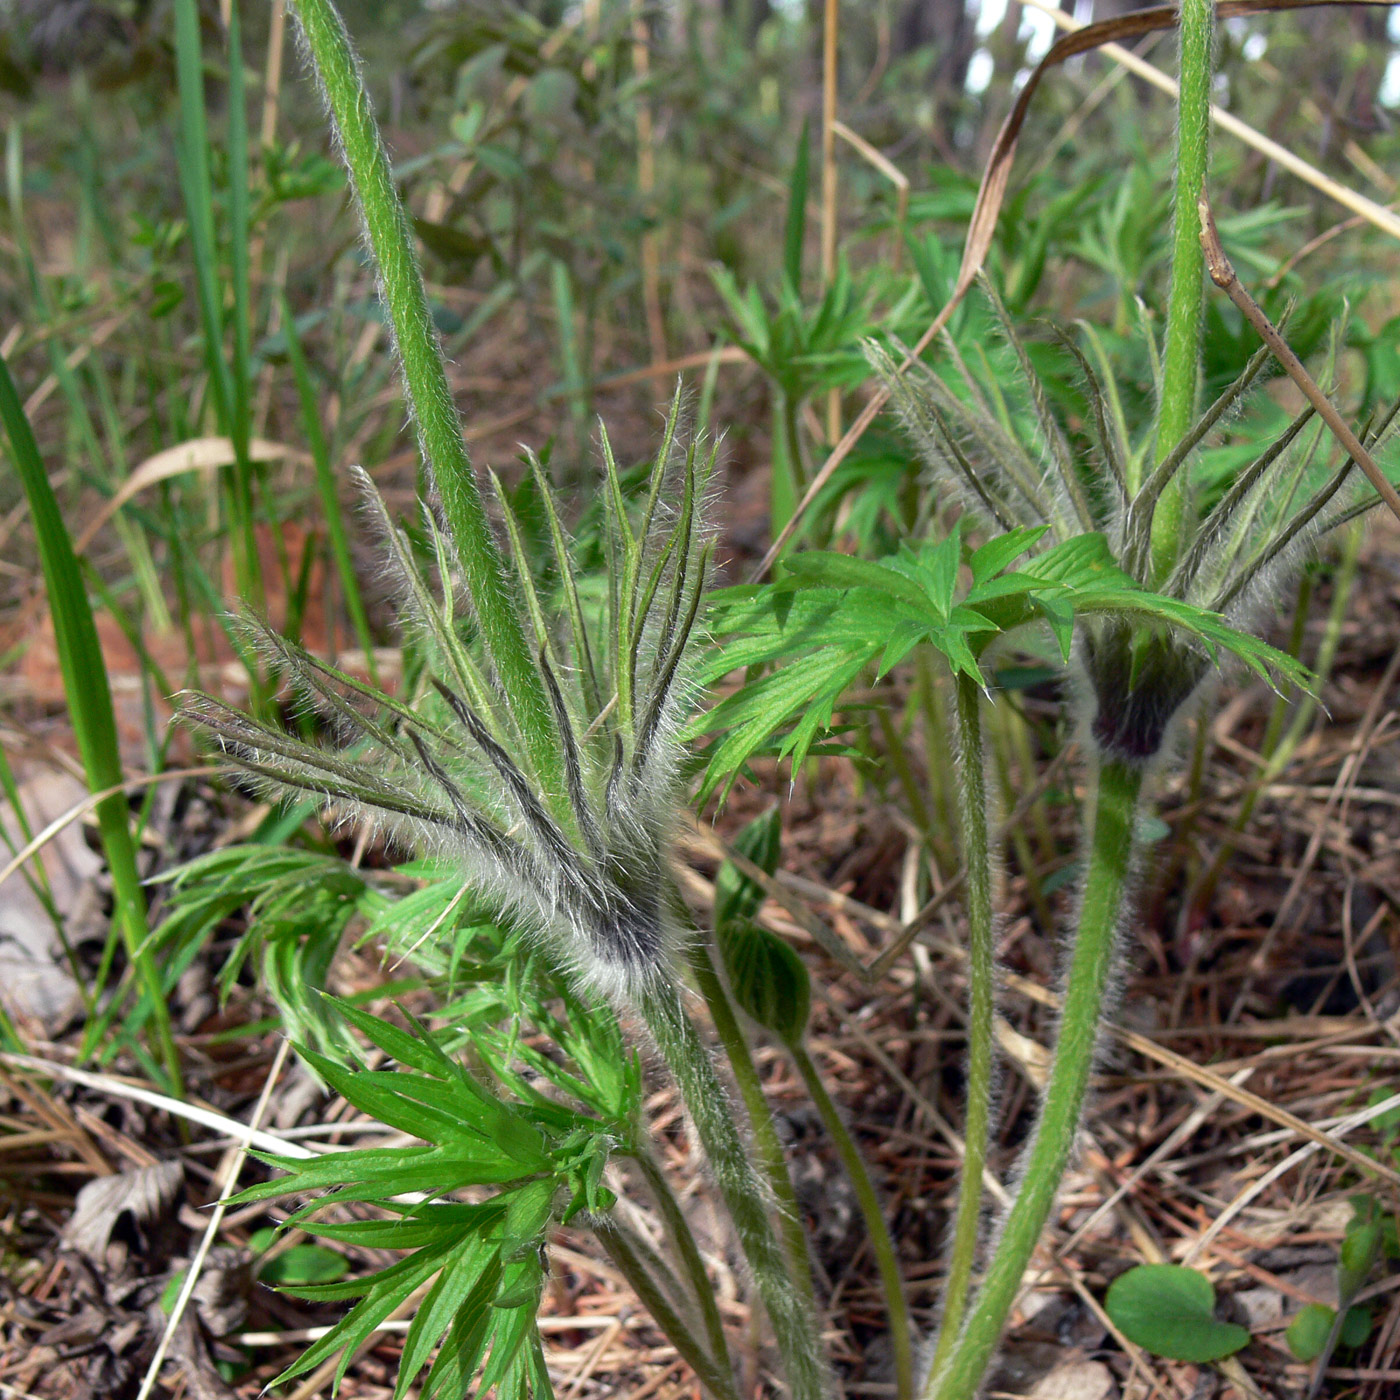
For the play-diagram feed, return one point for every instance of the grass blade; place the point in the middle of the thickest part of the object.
(90, 705)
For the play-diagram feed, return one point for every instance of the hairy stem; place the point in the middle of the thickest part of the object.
(1110, 860)
(429, 395)
(1181, 357)
(770, 1150)
(981, 978)
(714, 1376)
(750, 1205)
(881, 1244)
(684, 1240)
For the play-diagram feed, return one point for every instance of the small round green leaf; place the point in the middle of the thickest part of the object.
(1361, 1247)
(1356, 1326)
(1169, 1310)
(304, 1264)
(1308, 1332)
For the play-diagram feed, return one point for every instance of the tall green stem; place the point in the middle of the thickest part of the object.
(770, 1150)
(425, 383)
(1181, 358)
(751, 1207)
(684, 1240)
(1110, 861)
(981, 980)
(886, 1258)
(714, 1376)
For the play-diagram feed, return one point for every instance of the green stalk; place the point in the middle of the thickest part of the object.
(1181, 359)
(751, 1207)
(427, 390)
(712, 1376)
(240, 277)
(981, 981)
(1110, 861)
(570, 362)
(240, 424)
(1011, 761)
(684, 1240)
(90, 704)
(886, 1259)
(770, 1150)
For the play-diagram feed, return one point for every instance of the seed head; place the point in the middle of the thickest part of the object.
(578, 855)
(1136, 676)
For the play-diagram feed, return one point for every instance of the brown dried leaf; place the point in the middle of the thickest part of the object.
(147, 1194)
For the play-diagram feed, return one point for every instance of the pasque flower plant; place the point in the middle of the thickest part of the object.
(583, 865)
(1134, 673)
(1143, 586)
(1137, 662)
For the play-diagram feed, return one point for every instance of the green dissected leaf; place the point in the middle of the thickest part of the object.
(1095, 585)
(438, 927)
(790, 625)
(415, 1226)
(833, 615)
(458, 1356)
(515, 1324)
(480, 1262)
(757, 711)
(819, 567)
(382, 1294)
(600, 1071)
(466, 1285)
(1059, 616)
(296, 904)
(1169, 1310)
(368, 1174)
(1082, 562)
(484, 1262)
(937, 568)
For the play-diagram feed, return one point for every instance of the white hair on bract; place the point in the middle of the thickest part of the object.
(1132, 678)
(578, 858)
